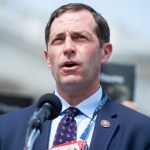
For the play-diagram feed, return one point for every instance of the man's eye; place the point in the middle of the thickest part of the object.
(58, 40)
(82, 37)
(79, 37)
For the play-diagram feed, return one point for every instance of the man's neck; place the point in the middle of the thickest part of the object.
(76, 96)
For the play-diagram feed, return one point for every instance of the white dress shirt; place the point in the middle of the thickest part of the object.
(87, 108)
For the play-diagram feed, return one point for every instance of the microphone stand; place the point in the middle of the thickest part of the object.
(30, 140)
(34, 129)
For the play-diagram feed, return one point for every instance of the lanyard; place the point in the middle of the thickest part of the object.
(98, 108)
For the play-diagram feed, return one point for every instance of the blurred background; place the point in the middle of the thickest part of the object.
(23, 69)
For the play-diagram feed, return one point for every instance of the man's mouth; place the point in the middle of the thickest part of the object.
(70, 64)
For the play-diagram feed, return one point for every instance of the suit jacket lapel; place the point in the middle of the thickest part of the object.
(103, 135)
(42, 141)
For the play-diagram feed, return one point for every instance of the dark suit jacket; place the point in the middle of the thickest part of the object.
(129, 130)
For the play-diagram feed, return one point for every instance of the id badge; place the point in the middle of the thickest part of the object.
(73, 145)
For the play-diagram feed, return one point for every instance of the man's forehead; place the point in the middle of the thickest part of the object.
(83, 16)
(73, 22)
(82, 11)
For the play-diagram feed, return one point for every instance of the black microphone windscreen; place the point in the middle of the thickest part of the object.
(54, 101)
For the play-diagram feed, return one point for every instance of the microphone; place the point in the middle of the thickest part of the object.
(48, 107)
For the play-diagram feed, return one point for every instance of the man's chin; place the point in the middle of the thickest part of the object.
(70, 81)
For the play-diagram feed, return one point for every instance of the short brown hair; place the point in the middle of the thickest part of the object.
(102, 29)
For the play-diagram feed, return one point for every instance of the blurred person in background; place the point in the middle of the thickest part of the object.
(121, 94)
(77, 43)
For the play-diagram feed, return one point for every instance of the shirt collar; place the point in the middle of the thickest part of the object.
(88, 106)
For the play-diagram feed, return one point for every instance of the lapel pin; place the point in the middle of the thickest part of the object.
(105, 123)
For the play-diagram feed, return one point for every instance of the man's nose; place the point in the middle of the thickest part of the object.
(69, 46)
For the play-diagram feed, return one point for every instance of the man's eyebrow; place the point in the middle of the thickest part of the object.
(79, 32)
(84, 33)
(56, 35)
(72, 32)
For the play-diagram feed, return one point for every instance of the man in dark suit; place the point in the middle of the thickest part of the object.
(77, 43)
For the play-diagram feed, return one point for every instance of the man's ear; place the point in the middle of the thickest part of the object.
(47, 58)
(106, 52)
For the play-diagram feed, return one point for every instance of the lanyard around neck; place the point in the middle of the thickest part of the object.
(98, 108)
